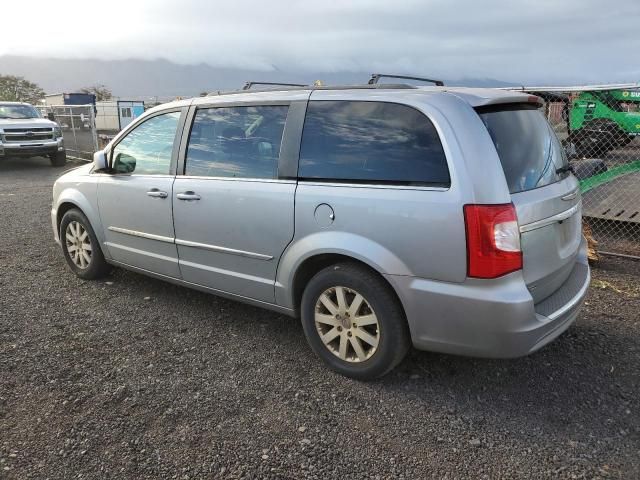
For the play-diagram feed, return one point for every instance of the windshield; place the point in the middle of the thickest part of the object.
(18, 111)
(528, 148)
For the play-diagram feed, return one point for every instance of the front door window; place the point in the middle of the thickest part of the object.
(146, 150)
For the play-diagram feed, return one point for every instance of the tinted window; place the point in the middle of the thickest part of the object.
(236, 142)
(371, 142)
(528, 148)
(147, 148)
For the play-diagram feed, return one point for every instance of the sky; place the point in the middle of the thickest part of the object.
(528, 42)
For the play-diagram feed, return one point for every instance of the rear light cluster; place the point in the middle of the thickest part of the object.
(493, 240)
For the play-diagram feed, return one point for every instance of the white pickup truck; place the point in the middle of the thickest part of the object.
(24, 133)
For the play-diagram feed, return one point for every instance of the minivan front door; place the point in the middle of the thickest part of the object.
(135, 199)
(233, 215)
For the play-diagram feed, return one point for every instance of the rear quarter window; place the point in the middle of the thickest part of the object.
(529, 150)
(371, 142)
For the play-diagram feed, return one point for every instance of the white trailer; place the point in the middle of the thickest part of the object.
(114, 115)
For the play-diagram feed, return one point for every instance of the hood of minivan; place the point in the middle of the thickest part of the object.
(78, 171)
(26, 123)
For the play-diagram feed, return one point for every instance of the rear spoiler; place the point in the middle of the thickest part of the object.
(486, 97)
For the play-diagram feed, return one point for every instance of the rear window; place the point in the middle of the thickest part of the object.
(371, 142)
(528, 148)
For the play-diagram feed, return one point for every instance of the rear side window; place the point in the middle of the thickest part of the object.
(371, 142)
(528, 148)
(239, 142)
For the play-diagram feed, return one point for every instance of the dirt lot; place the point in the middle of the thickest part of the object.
(135, 378)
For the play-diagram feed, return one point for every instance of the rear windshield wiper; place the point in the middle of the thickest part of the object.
(565, 169)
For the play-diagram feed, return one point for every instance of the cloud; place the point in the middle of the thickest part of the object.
(527, 42)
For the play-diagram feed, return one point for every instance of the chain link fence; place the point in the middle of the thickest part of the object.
(600, 130)
(78, 128)
(598, 126)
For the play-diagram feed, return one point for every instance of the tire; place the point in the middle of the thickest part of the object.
(599, 136)
(58, 159)
(379, 303)
(96, 266)
(593, 144)
(584, 169)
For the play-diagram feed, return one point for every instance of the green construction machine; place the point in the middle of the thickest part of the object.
(603, 120)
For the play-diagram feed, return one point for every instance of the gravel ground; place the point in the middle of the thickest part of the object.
(135, 378)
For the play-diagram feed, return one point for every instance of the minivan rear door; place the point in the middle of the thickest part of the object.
(546, 195)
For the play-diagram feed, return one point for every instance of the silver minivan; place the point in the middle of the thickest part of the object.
(382, 216)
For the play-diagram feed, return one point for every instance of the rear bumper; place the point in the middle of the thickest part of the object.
(496, 318)
(27, 150)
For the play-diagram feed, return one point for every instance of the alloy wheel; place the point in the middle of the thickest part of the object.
(78, 244)
(346, 324)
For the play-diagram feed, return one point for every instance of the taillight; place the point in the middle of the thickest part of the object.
(493, 240)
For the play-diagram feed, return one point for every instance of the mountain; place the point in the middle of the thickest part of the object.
(136, 78)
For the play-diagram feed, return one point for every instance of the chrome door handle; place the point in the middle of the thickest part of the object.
(154, 192)
(188, 196)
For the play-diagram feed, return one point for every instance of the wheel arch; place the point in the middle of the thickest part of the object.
(70, 199)
(63, 208)
(293, 276)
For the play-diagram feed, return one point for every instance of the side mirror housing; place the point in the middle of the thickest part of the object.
(100, 160)
(51, 116)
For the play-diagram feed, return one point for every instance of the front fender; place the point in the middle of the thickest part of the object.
(86, 202)
(329, 242)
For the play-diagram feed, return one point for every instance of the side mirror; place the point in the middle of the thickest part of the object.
(124, 163)
(51, 116)
(100, 160)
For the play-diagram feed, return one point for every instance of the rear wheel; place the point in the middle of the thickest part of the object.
(598, 137)
(592, 144)
(81, 247)
(58, 159)
(354, 322)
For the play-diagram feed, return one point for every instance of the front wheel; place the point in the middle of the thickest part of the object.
(58, 159)
(81, 247)
(354, 322)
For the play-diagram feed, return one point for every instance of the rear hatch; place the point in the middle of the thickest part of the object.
(545, 194)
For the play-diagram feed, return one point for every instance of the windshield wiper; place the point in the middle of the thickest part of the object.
(565, 169)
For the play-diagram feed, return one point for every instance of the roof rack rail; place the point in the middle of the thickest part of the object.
(377, 76)
(314, 87)
(248, 85)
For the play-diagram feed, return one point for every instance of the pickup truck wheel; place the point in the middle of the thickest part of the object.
(81, 247)
(58, 159)
(354, 322)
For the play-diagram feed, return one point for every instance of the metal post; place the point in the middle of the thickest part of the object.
(94, 128)
(73, 129)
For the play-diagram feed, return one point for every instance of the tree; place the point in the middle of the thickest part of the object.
(17, 89)
(101, 92)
